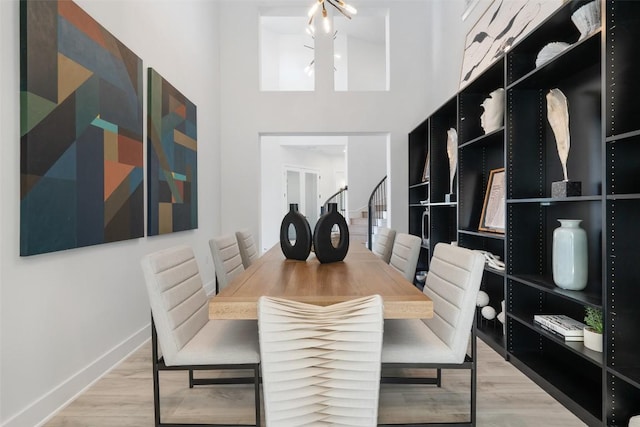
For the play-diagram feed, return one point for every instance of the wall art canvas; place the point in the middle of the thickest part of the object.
(502, 25)
(172, 152)
(81, 131)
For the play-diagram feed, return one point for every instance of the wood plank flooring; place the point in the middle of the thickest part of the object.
(124, 398)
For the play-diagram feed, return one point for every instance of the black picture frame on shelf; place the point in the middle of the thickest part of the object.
(492, 219)
(425, 171)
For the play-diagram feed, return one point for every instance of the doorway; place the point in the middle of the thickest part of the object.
(301, 187)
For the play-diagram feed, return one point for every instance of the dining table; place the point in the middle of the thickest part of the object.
(360, 274)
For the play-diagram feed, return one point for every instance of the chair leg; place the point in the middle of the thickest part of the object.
(156, 373)
(439, 378)
(474, 373)
(190, 378)
(256, 373)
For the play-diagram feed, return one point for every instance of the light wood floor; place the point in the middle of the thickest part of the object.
(124, 398)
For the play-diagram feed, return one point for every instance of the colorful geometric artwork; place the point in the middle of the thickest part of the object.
(81, 131)
(172, 154)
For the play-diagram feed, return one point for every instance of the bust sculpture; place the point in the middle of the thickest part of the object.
(493, 114)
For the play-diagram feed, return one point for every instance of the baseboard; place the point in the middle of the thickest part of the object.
(210, 287)
(44, 408)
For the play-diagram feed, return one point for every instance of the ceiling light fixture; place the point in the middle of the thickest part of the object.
(342, 7)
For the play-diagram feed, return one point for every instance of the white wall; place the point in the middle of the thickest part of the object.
(67, 317)
(366, 165)
(367, 65)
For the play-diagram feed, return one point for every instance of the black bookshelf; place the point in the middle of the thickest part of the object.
(599, 76)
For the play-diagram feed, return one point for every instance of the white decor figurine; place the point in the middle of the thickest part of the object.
(587, 18)
(558, 116)
(452, 152)
(493, 114)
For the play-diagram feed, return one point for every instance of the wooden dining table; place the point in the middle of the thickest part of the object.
(360, 274)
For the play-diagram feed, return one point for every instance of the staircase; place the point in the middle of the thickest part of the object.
(358, 225)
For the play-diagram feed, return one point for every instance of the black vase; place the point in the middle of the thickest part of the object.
(325, 251)
(302, 247)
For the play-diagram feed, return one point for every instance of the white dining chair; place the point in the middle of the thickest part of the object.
(405, 254)
(181, 329)
(226, 259)
(453, 282)
(320, 365)
(383, 243)
(247, 247)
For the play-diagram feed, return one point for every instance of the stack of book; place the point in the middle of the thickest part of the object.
(561, 326)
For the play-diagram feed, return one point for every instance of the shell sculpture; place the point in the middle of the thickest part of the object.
(587, 18)
(452, 152)
(558, 116)
(549, 51)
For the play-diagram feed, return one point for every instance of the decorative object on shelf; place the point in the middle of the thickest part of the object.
(492, 218)
(425, 171)
(425, 227)
(587, 18)
(501, 317)
(322, 236)
(550, 51)
(482, 299)
(452, 153)
(488, 312)
(493, 115)
(301, 246)
(594, 328)
(561, 326)
(346, 9)
(172, 153)
(558, 116)
(493, 261)
(570, 255)
(421, 276)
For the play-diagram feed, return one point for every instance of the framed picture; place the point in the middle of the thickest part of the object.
(469, 5)
(501, 26)
(493, 209)
(425, 171)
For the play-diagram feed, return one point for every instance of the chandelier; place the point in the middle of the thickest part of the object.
(342, 7)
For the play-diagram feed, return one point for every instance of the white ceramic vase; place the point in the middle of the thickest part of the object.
(592, 340)
(570, 255)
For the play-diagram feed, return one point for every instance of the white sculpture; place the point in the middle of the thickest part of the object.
(500, 315)
(488, 312)
(482, 299)
(549, 51)
(493, 114)
(452, 152)
(558, 115)
(587, 18)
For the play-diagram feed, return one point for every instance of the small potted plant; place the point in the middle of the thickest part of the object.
(593, 330)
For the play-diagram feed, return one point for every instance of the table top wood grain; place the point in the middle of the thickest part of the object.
(360, 274)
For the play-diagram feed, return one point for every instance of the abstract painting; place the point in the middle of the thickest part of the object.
(502, 25)
(172, 153)
(81, 131)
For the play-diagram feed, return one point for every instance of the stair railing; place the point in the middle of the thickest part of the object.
(376, 208)
(338, 197)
